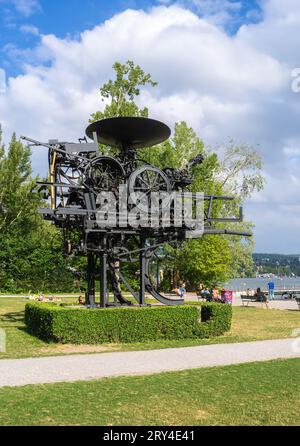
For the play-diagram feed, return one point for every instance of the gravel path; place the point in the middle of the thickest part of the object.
(20, 372)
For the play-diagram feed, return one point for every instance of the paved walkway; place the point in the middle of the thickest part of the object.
(277, 304)
(237, 302)
(19, 372)
(273, 304)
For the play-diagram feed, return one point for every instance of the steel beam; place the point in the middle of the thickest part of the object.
(103, 275)
(142, 300)
(90, 294)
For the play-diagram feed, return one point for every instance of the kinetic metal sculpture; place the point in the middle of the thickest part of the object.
(84, 186)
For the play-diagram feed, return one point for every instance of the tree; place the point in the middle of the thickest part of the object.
(30, 249)
(240, 170)
(122, 92)
(205, 260)
(17, 204)
(177, 151)
(240, 176)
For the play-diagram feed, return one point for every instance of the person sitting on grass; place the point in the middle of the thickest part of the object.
(80, 300)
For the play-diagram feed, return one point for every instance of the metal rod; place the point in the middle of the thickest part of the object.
(90, 295)
(103, 275)
(142, 271)
(228, 232)
(53, 147)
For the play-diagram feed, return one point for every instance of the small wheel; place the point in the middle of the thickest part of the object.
(145, 180)
(72, 174)
(103, 174)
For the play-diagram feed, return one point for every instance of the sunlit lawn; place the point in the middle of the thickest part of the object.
(249, 324)
(265, 393)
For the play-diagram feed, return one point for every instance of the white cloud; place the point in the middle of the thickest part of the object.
(210, 9)
(26, 7)
(238, 86)
(2, 81)
(30, 29)
(226, 14)
(218, 12)
(278, 34)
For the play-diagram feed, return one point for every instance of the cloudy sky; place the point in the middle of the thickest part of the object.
(227, 67)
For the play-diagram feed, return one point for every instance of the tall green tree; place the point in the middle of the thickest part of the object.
(30, 248)
(120, 94)
(205, 260)
(240, 175)
(17, 204)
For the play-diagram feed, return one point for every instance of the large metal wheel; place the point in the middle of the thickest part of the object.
(145, 180)
(103, 173)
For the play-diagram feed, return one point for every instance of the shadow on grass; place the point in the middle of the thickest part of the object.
(35, 340)
(246, 307)
(13, 317)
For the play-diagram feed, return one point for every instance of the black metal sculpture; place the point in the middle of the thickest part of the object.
(79, 175)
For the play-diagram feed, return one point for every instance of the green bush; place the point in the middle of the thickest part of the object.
(82, 326)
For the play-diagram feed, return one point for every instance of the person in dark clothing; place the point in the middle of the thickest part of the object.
(261, 297)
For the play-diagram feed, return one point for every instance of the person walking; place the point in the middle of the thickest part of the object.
(271, 287)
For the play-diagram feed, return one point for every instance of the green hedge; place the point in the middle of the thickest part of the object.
(81, 326)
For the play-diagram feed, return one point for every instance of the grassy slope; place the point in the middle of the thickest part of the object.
(249, 324)
(265, 393)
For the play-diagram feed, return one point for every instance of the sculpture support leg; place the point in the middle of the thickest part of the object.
(142, 301)
(103, 277)
(114, 269)
(90, 295)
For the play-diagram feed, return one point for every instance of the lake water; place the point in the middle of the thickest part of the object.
(262, 282)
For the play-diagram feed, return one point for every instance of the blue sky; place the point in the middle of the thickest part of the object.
(22, 21)
(226, 67)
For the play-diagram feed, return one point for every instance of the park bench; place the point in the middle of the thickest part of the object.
(245, 298)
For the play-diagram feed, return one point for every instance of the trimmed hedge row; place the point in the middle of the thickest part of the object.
(81, 326)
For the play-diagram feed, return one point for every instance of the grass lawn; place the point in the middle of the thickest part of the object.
(249, 324)
(265, 393)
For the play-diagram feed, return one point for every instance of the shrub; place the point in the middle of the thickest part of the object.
(82, 326)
